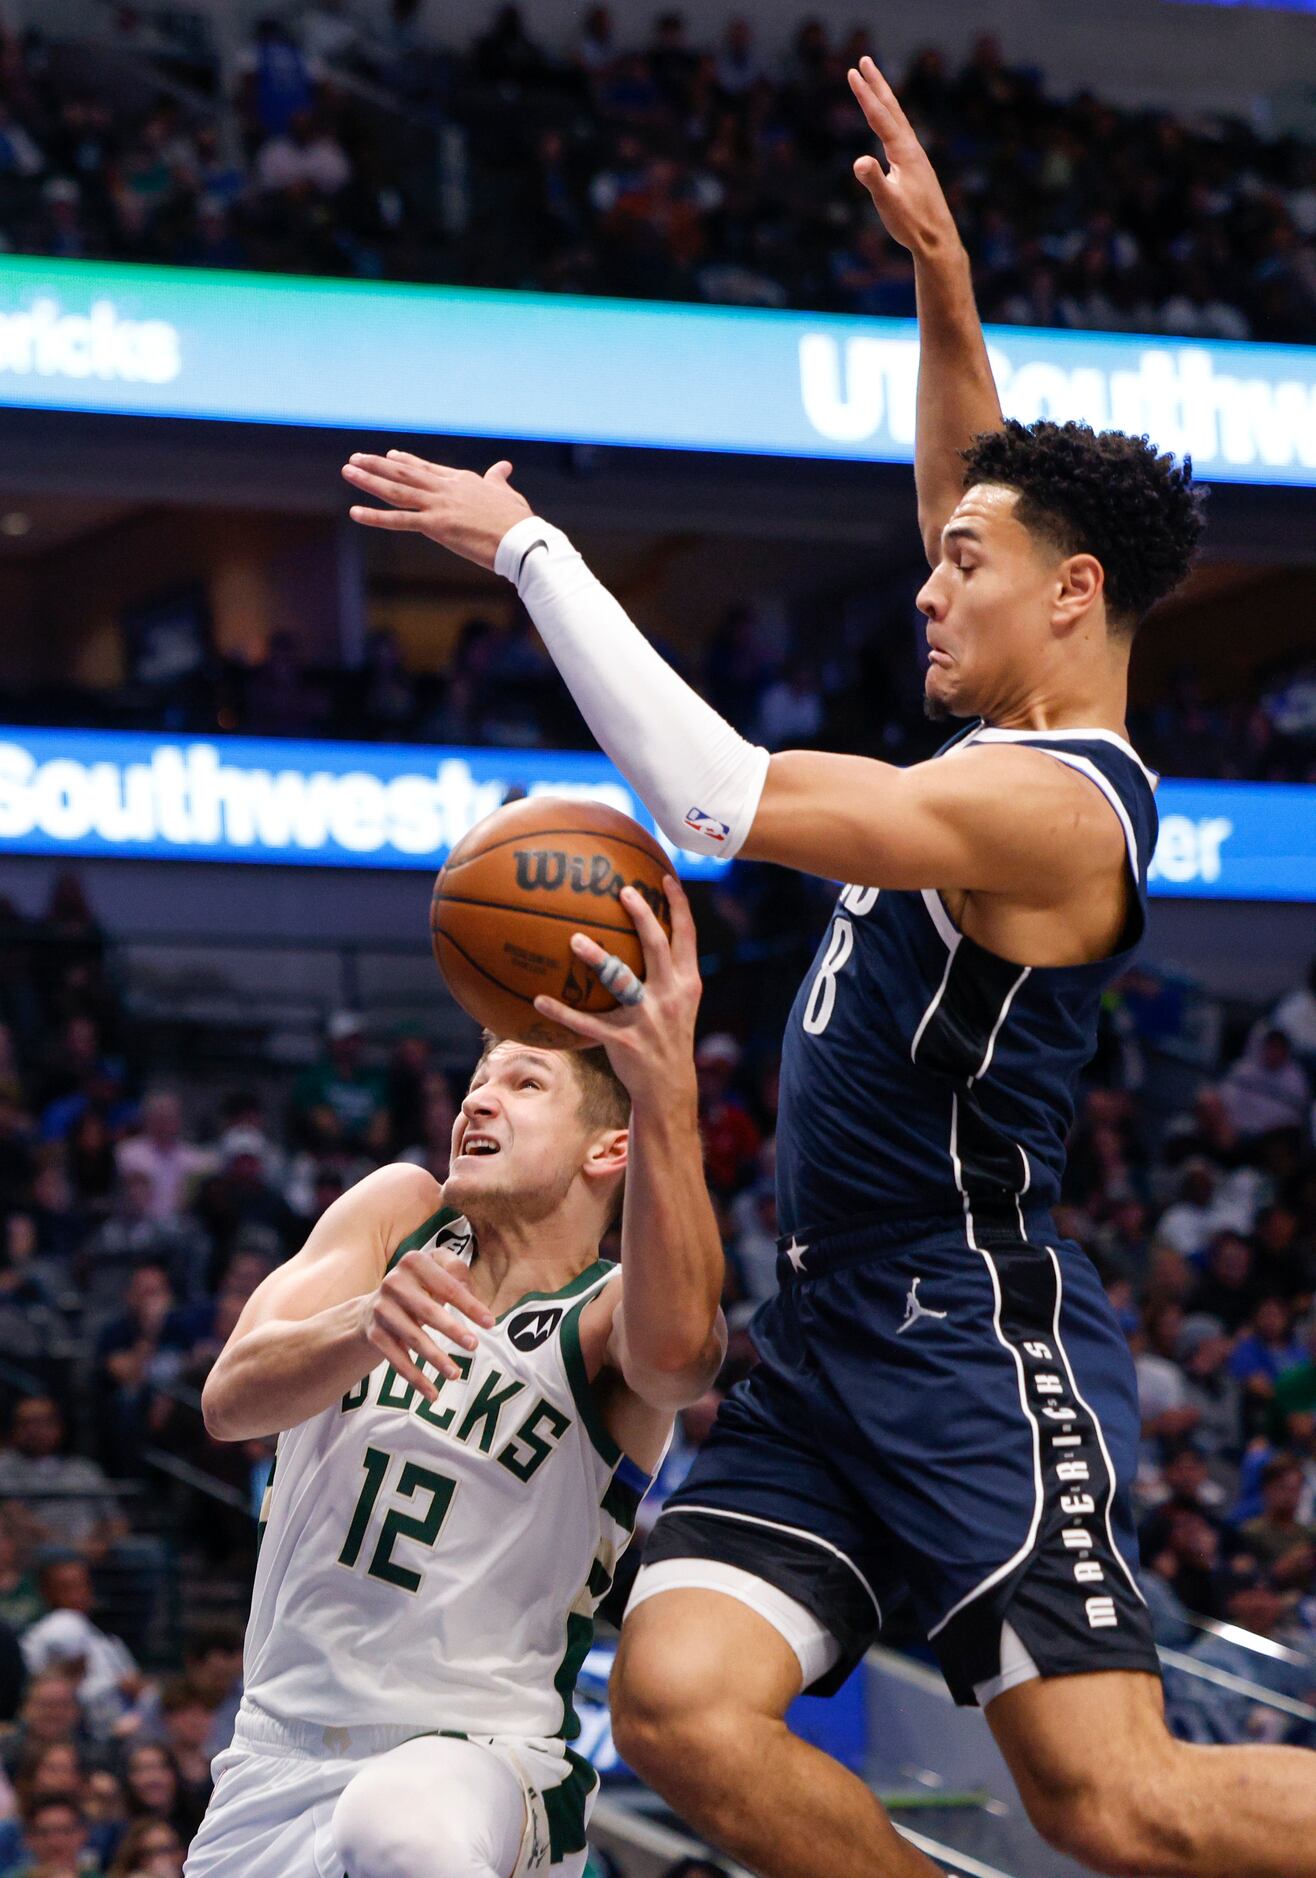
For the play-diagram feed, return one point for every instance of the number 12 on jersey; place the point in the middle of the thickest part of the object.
(422, 1528)
(822, 993)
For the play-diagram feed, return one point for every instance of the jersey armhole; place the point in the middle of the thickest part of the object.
(423, 1234)
(1136, 923)
(582, 1389)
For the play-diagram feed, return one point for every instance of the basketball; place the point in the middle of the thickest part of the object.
(514, 890)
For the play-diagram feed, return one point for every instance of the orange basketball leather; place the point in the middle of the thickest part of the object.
(515, 889)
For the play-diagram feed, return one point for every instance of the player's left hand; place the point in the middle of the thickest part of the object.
(906, 194)
(650, 1044)
(468, 513)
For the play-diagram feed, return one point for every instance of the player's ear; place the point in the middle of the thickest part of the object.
(607, 1154)
(1081, 582)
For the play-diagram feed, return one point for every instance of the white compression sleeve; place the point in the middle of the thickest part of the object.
(700, 779)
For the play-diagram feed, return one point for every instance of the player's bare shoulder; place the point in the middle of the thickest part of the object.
(1050, 810)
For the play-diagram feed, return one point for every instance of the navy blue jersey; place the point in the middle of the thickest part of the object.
(921, 1073)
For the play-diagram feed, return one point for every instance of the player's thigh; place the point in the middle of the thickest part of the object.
(269, 1817)
(436, 1807)
(690, 1656)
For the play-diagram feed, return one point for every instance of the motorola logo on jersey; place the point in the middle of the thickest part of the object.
(532, 1328)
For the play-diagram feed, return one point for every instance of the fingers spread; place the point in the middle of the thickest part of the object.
(387, 488)
(436, 470)
(685, 951)
(657, 951)
(401, 521)
(410, 1371)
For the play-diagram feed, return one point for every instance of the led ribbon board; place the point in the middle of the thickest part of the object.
(301, 804)
(369, 357)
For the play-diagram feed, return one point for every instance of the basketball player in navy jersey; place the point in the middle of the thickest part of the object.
(945, 1405)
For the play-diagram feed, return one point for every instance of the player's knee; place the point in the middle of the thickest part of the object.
(671, 1726)
(377, 1836)
(1125, 1825)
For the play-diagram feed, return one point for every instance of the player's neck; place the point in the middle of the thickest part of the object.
(513, 1258)
(1080, 686)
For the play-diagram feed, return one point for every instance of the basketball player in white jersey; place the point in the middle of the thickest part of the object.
(472, 1405)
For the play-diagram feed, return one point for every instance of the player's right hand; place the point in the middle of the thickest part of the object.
(906, 194)
(425, 1291)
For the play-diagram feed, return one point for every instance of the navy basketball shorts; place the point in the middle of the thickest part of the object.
(946, 1408)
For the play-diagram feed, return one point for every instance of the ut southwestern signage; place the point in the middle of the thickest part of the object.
(353, 355)
(251, 799)
(130, 794)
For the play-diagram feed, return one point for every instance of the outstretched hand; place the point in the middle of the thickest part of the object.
(906, 194)
(650, 1044)
(468, 513)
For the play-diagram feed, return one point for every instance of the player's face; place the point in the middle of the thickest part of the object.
(519, 1138)
(988, 604)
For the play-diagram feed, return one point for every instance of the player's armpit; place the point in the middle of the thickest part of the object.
(1003, 819)
(640, 1400)
(349, 1246)
(300, 1341)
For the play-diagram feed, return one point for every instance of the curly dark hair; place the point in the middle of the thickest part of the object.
(1101, 493)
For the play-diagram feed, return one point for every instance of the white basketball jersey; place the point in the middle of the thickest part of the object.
(439, 1565)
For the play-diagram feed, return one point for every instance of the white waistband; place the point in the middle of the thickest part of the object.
(254, 1727)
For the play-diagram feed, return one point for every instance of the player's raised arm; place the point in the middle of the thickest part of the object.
(324, 1320)
(956, 391)
(665, 1337)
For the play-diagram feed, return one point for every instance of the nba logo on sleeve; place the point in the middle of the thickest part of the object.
(704, 824)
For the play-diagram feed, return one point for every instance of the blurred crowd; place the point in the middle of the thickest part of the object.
(849, 677)
(138, 1213)
(673, 167)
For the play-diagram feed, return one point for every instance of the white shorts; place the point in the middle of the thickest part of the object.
(277, 1786)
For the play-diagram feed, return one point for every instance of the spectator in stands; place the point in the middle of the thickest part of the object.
(151, 1782)
(1295, 1393)
(304, 159)
(56, 1834)
(1285, 1256)
(187, 1723)
(386, 696)
(1227, 1287)
(55, 1768)
(433, 1147)
(20, 1600)
(1282, 1544)
(49, 1715)
(239, 1198)
(1183, 1550)
(1266, 1089)
(278, 80)
(151, 1848)
(340, 1099)
(1267, 1349)
(279, 698)
(133, 1235)
(105, 1808)
(108, 1682)
(212, 1663)
(1211, 1390)
(140, 1350)
(1209, 1710)
(170, 1163)
(731, 1140)
(1295, 1015)
(72, 1506)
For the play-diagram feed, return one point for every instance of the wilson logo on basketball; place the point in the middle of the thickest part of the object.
(549, 870)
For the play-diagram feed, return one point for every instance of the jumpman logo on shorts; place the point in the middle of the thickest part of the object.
(914, 1310)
